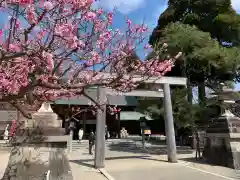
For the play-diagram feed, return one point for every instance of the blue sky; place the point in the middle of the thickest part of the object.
(143, 10)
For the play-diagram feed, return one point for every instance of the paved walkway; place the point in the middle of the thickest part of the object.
(4, 156)
(126, 161)
(129, 162)
(82, 166)
(142, 168)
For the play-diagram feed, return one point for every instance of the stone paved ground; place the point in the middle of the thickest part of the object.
(4, 155)
(82, 166)
(126, 161)
(132, 163)
(142, 168)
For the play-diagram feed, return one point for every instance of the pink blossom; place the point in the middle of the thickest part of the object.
(64, 29)
(30, 15)
(90, 16)
(14, 48)
(99, 11)
(129, 22)
(110, 17)
(73, 38)
(22, 2)
(48, 5)
(41, 34)
(17, 25)
(49, 60)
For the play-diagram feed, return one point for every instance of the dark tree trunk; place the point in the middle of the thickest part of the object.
(189, 92)
(189, 86)
(201, 93)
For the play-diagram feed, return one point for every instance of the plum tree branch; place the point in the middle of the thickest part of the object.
(20, 108)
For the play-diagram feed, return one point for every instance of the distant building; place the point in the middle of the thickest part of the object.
(68, 108)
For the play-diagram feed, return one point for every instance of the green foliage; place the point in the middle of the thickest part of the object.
(185, 114)
(214, 16)
(198, 28)
(205, 58)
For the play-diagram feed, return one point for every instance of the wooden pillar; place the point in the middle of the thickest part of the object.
(100, 130)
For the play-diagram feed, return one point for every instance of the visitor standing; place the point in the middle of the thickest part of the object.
(80, 135)
(198, 150)
(106, 133)
(91, 139)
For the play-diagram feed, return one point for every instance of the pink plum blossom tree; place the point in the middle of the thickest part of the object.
(55, 48)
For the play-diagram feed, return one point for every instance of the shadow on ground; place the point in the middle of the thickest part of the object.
(194, 160)
(199, 161)
(90, 162)
(151, 150)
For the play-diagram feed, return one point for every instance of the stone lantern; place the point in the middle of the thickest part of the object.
(223, 132)
(48, 122)
(45, 117)
(44, 148)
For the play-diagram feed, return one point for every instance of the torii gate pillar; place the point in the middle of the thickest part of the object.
(169, 125)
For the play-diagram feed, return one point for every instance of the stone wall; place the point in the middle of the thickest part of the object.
(218, 150)
(222, 144)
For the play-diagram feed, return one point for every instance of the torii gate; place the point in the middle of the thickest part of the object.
(169, 123)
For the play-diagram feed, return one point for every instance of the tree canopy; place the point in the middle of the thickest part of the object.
(53, 49)
(214, 16)
(207, 32)
(205, 58)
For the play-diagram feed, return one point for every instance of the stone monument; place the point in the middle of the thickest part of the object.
(48, 122)
(39, 149)
(222, 143)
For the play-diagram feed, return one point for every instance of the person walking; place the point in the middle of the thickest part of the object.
(91, 139)
(106, 133)
(80, 134)
(198, 149)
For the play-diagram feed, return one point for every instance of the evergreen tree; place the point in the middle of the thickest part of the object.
(207, 32)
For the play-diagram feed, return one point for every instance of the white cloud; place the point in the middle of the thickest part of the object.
(123, 6)
(236, 4)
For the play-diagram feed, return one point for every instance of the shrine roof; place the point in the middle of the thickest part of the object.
(119, 100)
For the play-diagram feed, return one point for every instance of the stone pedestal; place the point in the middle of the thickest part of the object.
(222, 143)
(39, 147)
(49, 126)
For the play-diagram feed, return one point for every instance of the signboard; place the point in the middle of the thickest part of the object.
(147, 132)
